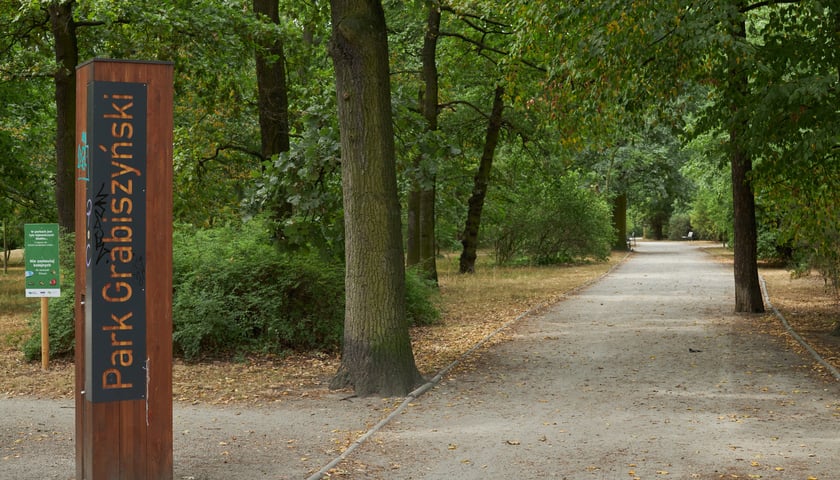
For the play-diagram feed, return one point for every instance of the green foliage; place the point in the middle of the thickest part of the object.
(62, 327)
(25, 146)
(711, 203)
(420, 294)
(235, 292)
(300, 190)
(678, 226)
(556, 220)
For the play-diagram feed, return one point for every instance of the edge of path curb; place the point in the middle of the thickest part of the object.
(414, 395)
(833, 371)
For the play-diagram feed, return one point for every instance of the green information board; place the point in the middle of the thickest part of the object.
(41, 257)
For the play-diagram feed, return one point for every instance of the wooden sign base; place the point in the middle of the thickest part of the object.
(123, 310)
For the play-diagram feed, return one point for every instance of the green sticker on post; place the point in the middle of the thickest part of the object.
(41, 259)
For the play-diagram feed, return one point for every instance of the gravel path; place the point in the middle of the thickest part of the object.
(646, 374)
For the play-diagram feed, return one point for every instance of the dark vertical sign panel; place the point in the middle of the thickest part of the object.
(115, 242)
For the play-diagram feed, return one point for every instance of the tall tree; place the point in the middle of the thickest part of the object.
(66, 48)
(748, 297)
(376, 354)
(469, 239)
(272, 98)
(421, 247)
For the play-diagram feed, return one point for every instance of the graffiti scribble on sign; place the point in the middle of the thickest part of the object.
(82, 158)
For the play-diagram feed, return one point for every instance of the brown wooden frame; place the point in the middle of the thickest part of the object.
(129, 440)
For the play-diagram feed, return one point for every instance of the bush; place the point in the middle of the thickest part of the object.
(556, 221)
(678, 226)
(236, 293)
(419, 293)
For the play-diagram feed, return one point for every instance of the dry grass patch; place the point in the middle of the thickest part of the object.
(477, 305)
(18, 377)
(807, 303)
(473, 306)
(810, 307)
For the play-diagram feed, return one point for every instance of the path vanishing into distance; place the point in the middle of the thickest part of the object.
(646, 374)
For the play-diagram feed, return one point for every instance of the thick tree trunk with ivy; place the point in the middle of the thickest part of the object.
(376, 354)
(747, 287)
(66, 57)
(469, 239)
(421, 247)
(272, 98)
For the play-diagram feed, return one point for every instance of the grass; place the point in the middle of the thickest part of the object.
(15, 308)
(12, 296)
(473, 306)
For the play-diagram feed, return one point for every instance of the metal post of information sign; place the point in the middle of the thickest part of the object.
(43, 279)
(124, 270)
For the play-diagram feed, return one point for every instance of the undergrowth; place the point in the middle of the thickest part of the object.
(235, 293)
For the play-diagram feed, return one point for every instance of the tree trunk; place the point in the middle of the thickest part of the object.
(619, 215)
(469, 239)
(412, 228)
(66, 57)
(376, 356)
(272, 98)
(421, 245)
(747, 288)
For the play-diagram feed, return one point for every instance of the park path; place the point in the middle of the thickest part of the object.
(647, 374)
(604, 385)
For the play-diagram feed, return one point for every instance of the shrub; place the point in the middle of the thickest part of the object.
(678, 226)
(555, 221)
(419, 293)
(236, 293)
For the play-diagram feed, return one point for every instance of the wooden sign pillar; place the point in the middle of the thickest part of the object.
(124, 270)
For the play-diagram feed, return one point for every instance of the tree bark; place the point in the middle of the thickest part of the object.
(469, 239)
(421, 245)
(747, 287)
(272, 98)
(619, 215)
(376, 356)
(67, 57)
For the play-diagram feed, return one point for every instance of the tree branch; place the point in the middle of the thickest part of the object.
(481, 45)
(236, 148)
(767, 3)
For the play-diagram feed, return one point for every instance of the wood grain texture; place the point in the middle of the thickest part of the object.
(130, 440)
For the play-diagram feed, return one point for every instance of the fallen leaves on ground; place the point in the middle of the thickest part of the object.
(473, 306)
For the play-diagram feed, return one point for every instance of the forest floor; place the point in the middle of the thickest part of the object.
(472, 307)
(230, 392)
